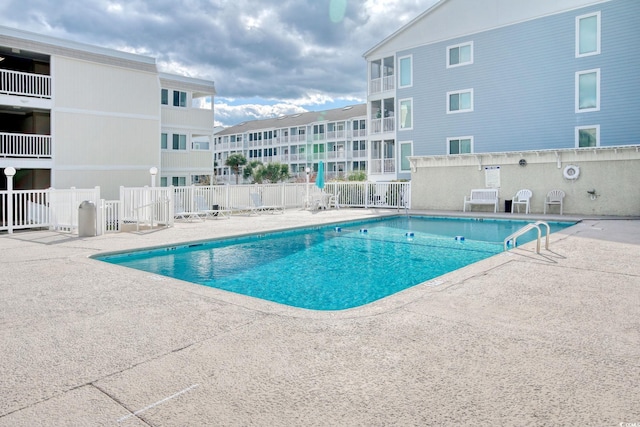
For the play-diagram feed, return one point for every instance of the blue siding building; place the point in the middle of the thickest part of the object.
(513, 76)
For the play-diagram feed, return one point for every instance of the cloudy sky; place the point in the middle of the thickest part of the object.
(267, 57)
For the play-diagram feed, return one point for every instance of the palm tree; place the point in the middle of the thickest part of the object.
(234, 161)
(271, 173)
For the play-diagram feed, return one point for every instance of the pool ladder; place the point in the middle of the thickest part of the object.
(514, 236)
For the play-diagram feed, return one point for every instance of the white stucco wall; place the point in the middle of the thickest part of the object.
(442, 182)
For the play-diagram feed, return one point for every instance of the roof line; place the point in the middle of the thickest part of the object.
(404, 27)
(69, 44)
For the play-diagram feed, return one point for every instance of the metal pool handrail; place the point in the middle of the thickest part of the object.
(514, 236)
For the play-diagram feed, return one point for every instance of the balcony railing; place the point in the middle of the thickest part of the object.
(25, 145)
(298, 138)
(375, 86)
(25, 84)
(336, 155)
(387, 124)
(388, 83)
(382, 84)
(336, 134)
(359, 154)
(298, 157)
(383, 166)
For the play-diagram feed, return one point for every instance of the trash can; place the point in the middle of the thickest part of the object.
(87, 223)
(507, 205)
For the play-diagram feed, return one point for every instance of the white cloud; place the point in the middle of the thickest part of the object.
(226, 113)
(285, 54)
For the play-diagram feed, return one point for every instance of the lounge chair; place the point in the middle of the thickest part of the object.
(186, 215)
(209, 211)
(522, 197)
(554, 197)
(259, 207)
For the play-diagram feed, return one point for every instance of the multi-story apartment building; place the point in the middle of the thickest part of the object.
(75, 115)
(504, 76)
(187, 131)
(338, 137)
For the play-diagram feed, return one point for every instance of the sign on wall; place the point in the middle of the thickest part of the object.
(492, 176)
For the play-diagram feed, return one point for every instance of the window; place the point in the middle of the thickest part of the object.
(461, 54)
(318, 132)
(199, 179)
(406, 150)
(200, 144)
(588, 136)
(179, 142)
(406, 114)
(460, 101)
(163, 141)
(179, 181)
(163, 181)
(406, 74)
(461, 145)
(588, 91)
(179, 99)
(164, 96)
(588, 35)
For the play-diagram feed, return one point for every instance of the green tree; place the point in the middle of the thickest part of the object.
(234, 161)
(357, 176)
(271, 172)
(250, 168)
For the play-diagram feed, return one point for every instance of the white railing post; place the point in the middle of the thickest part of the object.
(366, 194)
(10, 172)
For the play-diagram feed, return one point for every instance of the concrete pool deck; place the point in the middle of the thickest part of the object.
(517, 339)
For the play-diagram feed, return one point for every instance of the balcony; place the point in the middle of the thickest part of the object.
(336, 134)
(25, 145)
(359, 154)
(299, 138)
(382, 84)
(380, 166)
(359, 132)
(25, 84)
(336, 155)
(383, 125)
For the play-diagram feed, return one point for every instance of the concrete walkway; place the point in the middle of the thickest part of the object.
(518, 339)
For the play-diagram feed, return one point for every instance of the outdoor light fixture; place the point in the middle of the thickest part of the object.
(10, 172)
(153, 171)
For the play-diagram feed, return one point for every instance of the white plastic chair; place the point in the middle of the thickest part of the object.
(554, 197)
(333, 201)
(522, 197)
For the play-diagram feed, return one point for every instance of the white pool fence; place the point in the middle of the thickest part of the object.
(59, 210)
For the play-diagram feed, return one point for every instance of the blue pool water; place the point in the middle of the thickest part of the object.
(332, 267)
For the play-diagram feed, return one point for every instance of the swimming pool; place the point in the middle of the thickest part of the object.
(332, 267)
